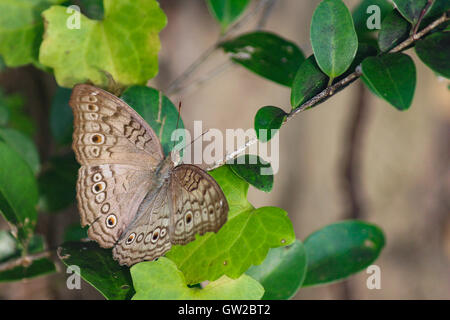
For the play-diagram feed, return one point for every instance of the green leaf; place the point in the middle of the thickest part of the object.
(18, 191)
(434, 51)
(362, 15)
(23, 146)
(98, 268)
(161, 280)
(21, 29)
(75, 232)
(116, 45)
(61, 117)
(267, 55)
(393, 77)
(333, 37)
(268, 119)
(340, 250)
(308, 82)
(227, 11)
(57, 183)
(157, 110)
(254, 170)
(4, 115)
(17, 119)
(437, 9)
(410, 9)
(394, 30)
(244, 240)
(282, 272)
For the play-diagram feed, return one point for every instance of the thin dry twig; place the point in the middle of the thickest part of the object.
(24, 261)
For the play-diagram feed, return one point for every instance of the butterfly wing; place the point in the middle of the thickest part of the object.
(147, 237)
(107, 130)
(118, 152)
(198, 203)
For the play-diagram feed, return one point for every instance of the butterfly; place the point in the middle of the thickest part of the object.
(134, 199)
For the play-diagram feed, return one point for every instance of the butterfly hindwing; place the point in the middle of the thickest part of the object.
(198, 203)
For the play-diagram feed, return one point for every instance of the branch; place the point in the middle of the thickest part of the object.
(176, 85)
(422, 14)
(340, 85)
(24, 261)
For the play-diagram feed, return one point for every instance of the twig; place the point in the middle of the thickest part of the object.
(265, 14)
(176, 85)
(24, 261)
(340, 85)
(422, 14)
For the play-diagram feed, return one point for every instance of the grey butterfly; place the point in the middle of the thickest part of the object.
(134, 199)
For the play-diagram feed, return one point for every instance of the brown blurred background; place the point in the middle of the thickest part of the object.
(400, 162)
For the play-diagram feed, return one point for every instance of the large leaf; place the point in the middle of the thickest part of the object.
(368, 9)
(434, 51)
(333, 37)
(267, 55)
(254, 170)
(394, 30)
(61, 117)
(227, 11)
(21, 29)
(23, 146)
(125, 44)
(157, 110)
(340, 250)
(393, 77)
(57, 183)
(244, 240)
(161, 280)
(98, 268)
(18, 191)
(268, 121)
(410, 9)
(282, 272)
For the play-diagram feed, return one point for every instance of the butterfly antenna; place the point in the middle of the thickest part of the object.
(178, 120)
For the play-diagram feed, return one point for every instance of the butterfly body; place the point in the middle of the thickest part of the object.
(133, 198)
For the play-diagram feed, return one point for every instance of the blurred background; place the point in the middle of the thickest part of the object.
(353, 156)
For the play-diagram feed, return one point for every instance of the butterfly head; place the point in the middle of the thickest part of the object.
(175, 157)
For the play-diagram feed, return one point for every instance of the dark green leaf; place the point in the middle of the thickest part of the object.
(434, 51)
(410, 9)
(227, 11)
(157, 110)
(394, 30)
(75, 232)
(23, 146)
(333, 37)
(268, 119)
(282, 272)
(366, 13)
(308, 82)
(254, 170)
(267, 55)
(18, 191)
(437, 9)
(393, 77)
(61, 117)
(98, 268)
(17, 118)
(4, 115)
(57, 183)
(340, 250)
(92, 8)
